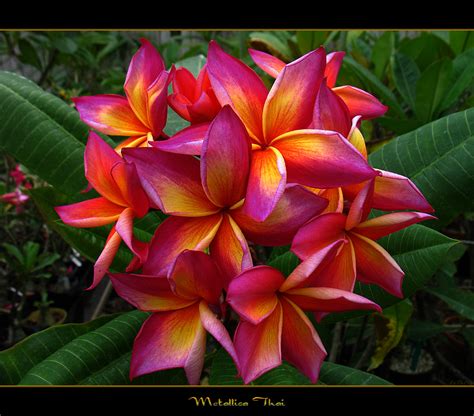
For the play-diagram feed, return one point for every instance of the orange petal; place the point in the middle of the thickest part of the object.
(234, 83)
(375, 265)
(109, 114)
(360, 103)
(230, 250)
(175, 235)
(322, 159)
(171, 340)
(91, 213)
(266, 183)
(290, 102)
(171, 181)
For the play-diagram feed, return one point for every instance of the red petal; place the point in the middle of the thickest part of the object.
(360, 103)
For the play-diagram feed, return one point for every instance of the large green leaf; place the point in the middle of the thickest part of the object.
(460, 300)
(21, 358)
(420, 252)
(431, 89)
(42, 132)
(405, 75)
(461, 41)
(381, 53)
(463, 73)
(439, 158)
(374, 85)
(223, 372)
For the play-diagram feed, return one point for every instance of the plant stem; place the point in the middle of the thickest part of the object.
(336, 343)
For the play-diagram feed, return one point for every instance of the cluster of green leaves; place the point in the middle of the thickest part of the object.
(46, 135)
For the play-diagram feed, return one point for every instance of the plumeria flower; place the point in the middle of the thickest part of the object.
(193, 99)
(273, 324)
(122, 199)
(184, 307)
(18, 175)
(356, 101)
(359, 257)
(141, 115)
(204, 199)
(284, 149)
(16, 198)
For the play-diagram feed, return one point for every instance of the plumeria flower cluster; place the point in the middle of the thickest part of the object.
(285, 166)
(17, 198)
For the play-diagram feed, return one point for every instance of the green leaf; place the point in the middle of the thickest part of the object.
(223, 372)
(309, 40)
(336, 374)
(389, 328)
(285, 262)
(420, 331)
(439, 158)
(42, 132)
(28, 54)
(270, 43)
(381, 53)
(459, 300)
(461, 41)
(373, 84)
(405, 75)
(463, 73)
(87, 354)
(194, 64)
(16, 361)
(431, 89)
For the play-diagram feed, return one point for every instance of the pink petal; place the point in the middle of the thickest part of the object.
(170, 340)
(106, 257)
(175, 235)
(394, 192)
(325, 299)
(267, 63)
(333, 64)
(300, 343)
(330, 112)
(375, 265)
(217, 329)
(361, 206)
(157, 103)
(171, 181)
(234, 83)
(266, 183)
(259, 346)
(205, 108)
(148, 293)
(230, 250)
(124, 228)
(378, 227)
(289, 105)
(90, 213)
(184, 83)
(187, 141)
(318, 234)
(252, 294)
(194, 275)
(308, 272)
(322, 159)
(360, 103)
(296, 206)
(225, 159)
(109, 114)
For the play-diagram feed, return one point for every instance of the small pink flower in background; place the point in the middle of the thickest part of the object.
(18, 175)
(122, 199)
(185, 306)
(16, 198)
(141, 115)
(193, 99)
